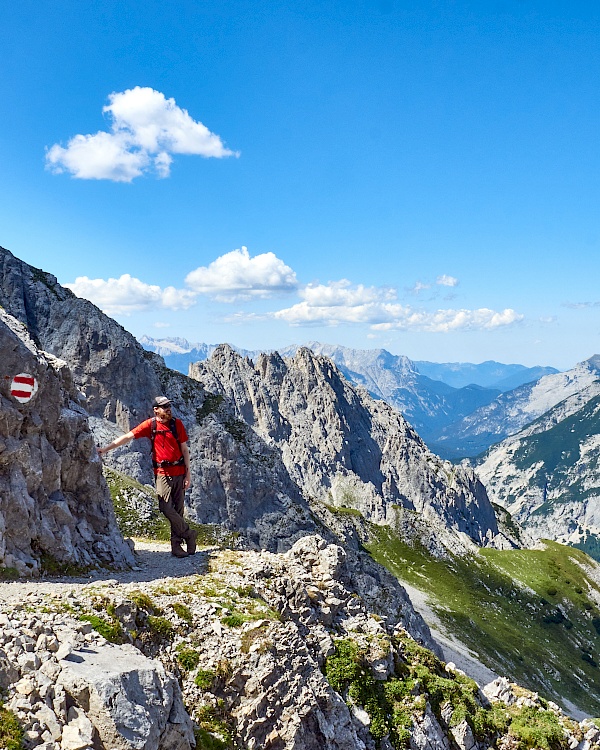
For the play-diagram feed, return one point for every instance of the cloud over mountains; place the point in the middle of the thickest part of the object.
(146, 130)
(238, 277)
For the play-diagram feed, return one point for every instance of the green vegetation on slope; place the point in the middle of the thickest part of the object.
(420, 678)
(11, 731)
(137, 513)
(526, 613)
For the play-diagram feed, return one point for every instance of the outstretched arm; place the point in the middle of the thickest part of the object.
(186, 457)
(121, 440)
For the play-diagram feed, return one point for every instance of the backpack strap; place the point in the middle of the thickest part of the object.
(153, 430)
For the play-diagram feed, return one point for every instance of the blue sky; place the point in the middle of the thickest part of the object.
(422, 177)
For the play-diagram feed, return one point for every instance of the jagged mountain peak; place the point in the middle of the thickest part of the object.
(343, 447)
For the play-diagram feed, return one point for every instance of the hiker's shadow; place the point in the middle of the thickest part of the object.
(153, 564)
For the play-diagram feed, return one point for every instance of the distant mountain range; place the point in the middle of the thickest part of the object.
(510, 412)
(539, 443)
(431, 396)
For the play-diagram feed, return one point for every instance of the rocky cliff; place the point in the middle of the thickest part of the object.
(344, 448)
(55, 507)
(513, 411)
(547, 474)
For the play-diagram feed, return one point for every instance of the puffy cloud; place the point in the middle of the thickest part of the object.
(446, 280)
(146, 128)
(236, 276)
(127, 294)
(341, 303)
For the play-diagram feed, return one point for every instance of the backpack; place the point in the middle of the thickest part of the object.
(162, 464)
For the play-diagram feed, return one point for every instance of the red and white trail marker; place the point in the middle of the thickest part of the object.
(23, 387)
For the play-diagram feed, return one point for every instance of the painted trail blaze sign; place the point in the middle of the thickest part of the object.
(23, 387)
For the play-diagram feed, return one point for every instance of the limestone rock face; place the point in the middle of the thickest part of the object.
(343, 447)
(53, 498)
(547, 474)
(71, 690)
(107, 362)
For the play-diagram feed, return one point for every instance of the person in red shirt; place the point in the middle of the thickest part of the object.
(171, 462)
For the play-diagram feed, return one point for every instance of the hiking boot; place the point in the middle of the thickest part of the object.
(190, 542)
(177, 551)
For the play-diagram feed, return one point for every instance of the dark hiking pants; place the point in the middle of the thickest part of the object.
(171, 496)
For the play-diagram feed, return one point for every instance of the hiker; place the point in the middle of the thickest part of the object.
(171, 462)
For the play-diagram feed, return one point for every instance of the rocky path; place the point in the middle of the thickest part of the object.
(154, 563)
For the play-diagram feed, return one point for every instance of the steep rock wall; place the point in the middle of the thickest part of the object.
(54, 501)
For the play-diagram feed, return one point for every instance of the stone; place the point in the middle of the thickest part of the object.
(128, 697)
(343, 447)
(79, 732)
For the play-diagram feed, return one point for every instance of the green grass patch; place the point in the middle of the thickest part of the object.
(216, 724)
(161, 626)
(8, 574)
(343, 509)
(235, 620)
(207, 741)
(182, 611)
(145, 602)
(136, 507)
(537, 729)
(204, 679)
(50, 566)
(11, 731)
(420, 678)
(110, 629)
(188, 657)
(497, 603)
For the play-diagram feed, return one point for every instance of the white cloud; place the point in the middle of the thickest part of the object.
(446, 280)
(127, 294)
(236, 276)
(419, 286)
(146, 128)
(342, 303)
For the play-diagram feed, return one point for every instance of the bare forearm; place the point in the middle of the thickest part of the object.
(117, 442)
(186, 457)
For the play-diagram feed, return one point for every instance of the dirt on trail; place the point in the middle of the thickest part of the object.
(154, 562)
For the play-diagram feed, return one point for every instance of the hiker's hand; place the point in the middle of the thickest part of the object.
(187, 482)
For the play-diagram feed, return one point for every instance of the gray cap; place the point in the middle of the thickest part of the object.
(161, 401)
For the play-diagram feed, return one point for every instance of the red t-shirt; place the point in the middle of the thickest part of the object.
(165, 445)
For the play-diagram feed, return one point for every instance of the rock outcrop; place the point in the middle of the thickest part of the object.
(276, 651)
(54, 503)
(71, 689)
(344, 448)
